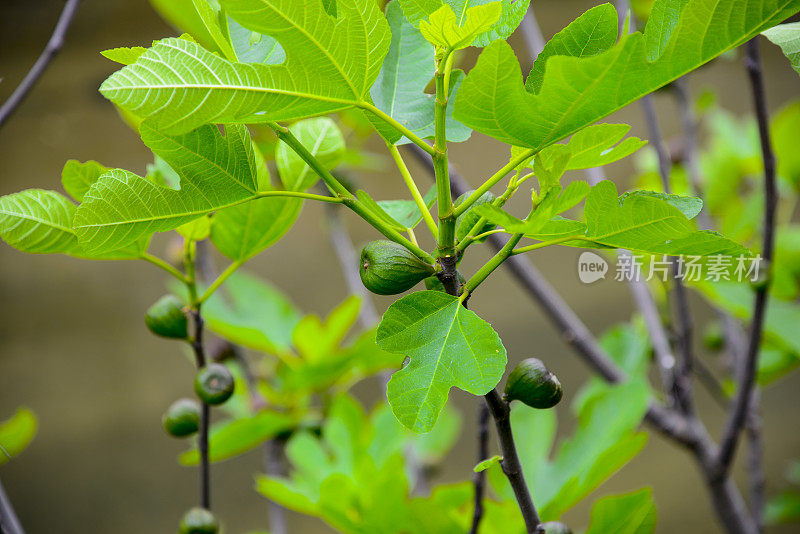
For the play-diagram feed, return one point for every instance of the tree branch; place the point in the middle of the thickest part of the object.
(510, 462)
(205, 414)
(738, 415)
(479, 478)
(50, 50)
(9, 523)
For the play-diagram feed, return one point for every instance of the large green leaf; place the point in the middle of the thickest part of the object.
(787, 36)
(399, 90)
(16, 433)
(595, 146)
(447, 346)
(330, 65)
(216, 172)
(510, 17)
(577, 91)
(632, 513)
(240, 232)
(324, 141)
(40, 222)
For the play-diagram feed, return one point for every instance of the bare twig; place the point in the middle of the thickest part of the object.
(205, 414)
(9, 523)
(510, 462)
(51, 49)
(274, 465)
(479, 479)
(741, 405)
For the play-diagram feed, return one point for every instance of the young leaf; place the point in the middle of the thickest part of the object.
(595, 146)
(399, 90)
(209, 18)
(447, 346)
(787, 36)
(196, 230)
(444, 30)
(258, 316)
(578, 91)
(486, 464)
(330, 65)
(510, 18)
(406, 212)
(77, 177)
(124, 55)
(632, 513)
(216, 172)
(237, 436)
(243, 231)
(16, 433)
(323, 139)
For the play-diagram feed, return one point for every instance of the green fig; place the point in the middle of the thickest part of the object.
(531, 383)
(182, 418)
(388, 268)
(199, 521)
(166, 318)
(214, 384)
(467, 220)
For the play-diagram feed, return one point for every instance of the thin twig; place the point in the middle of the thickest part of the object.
(205, 414)
(274, 464)
(532, 34)
(510, 462)
(479, 478)
(9, 523)
(51, 49)
(738, 415)
(755, 464)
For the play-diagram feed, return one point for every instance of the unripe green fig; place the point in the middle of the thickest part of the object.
(555, 527)
(467, 220)
(165, 318)
(388, 268)
(199, 521)
(531, 383)
(182, 418)
(214, 384)
(432, 283)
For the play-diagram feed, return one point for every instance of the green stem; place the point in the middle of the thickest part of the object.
(189, 250)
(490, 266)
(548, 243)
(447, 219)
(343, 194)
(496, 177)
(414, 138)
(220, 280)
(413, 189)
(298, 194)
(499, 202)
(161, 264)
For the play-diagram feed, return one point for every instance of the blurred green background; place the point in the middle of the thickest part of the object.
(73, 346)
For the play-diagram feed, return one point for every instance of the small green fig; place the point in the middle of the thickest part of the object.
(165, 318)
(214, 384)
(182, 418)
(432, 283)
(554, 527)
(467, 220)
(388, 268)
(531, 383)
(199, 521)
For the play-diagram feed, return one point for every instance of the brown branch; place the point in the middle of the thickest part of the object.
(9, 523)
(742, 401)
(479, 478)
(50, 50)
(205, 414)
